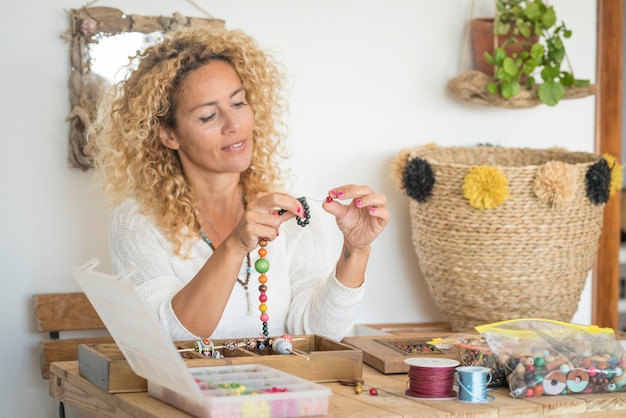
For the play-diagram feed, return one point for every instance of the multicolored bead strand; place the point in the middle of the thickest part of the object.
(262, 266)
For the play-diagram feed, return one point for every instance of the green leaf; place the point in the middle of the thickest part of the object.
(567, 79)
(509, 66)
(550, 92)
(567, 33)
(533, 12)
(524, 29)
(500, 28)
(492, 88)
(501, 74)
(558, 43)
(537, 51)
(489, 58)
(549, 73)
(529, 66)
(549, 18)
(510, 89)
(499, 54)
(581, 83)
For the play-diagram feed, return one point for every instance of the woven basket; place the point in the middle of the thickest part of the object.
(523, 258)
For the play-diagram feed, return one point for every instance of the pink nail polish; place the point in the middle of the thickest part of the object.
(372, 211)
(340, 194)
(298, 210)
(358, 203)
(332, 193)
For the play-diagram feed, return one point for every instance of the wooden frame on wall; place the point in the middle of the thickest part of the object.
(608, 139)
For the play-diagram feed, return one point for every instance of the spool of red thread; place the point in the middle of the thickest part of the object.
(431, 378)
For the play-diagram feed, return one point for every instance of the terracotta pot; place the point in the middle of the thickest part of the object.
(483, 41)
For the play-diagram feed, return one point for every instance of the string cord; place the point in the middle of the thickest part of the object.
(431, 382)
(473, 386)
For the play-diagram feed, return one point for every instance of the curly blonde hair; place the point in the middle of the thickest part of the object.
(129, 157)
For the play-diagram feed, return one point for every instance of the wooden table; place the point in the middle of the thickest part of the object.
(69, 387)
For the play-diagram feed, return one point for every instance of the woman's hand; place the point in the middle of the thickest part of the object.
(362, 219)
(261, 219)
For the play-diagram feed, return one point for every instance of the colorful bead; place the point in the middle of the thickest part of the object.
(282, 346)
(204, 347)
(262, 265)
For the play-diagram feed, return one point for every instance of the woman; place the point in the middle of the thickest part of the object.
(189, 147)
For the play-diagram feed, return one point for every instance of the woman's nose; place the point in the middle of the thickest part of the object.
(231, 122)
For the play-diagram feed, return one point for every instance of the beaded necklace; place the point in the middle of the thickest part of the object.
(248, 270)
(261, 265)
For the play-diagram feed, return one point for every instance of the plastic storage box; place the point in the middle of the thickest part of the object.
(250, 390)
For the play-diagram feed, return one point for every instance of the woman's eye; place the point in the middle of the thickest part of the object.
(207, 118)
(240, 104)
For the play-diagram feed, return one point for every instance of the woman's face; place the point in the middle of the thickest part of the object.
(214, 122)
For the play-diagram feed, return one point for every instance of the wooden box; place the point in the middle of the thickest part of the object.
(320, 360)
(386, 346)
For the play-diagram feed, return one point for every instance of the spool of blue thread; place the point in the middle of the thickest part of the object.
(473, 381)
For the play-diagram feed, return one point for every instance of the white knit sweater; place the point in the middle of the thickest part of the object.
(303, 296)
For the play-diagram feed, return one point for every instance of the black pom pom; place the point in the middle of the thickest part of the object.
(597, 180)
(418, 179)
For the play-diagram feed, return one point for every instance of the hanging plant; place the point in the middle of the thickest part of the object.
(533, 72)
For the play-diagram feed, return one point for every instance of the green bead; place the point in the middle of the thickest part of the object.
(539, 362)
(262, 265)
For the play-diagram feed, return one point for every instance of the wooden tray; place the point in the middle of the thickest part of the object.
(323, 360)
(401, 328)
(387, 351)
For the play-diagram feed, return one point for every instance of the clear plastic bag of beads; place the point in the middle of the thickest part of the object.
(472, 350)
(547, 357)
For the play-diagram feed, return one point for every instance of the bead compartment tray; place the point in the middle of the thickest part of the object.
(105, 366)
(386, 351)
(248, 390)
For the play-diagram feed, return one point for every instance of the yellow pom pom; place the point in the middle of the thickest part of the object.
(485, 187)
(616, 173)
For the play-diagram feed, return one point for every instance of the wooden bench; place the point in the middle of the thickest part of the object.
(56, 313)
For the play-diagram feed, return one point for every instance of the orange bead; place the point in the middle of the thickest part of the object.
(262, 278)
(262, 252)
(263, 307)
(538, 390)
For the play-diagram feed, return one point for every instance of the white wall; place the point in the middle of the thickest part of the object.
(368, 79)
